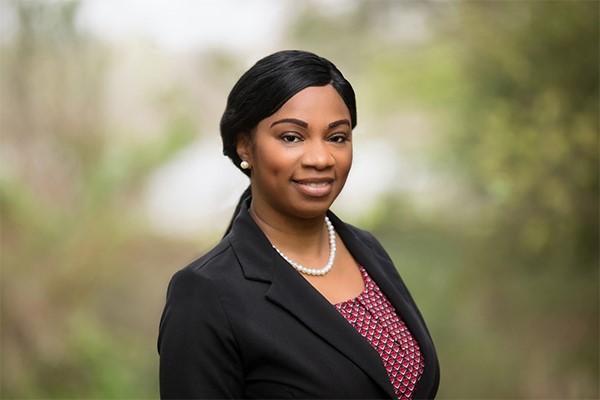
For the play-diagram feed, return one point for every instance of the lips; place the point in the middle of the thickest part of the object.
(314, 187)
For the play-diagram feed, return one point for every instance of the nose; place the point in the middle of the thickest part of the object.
(317, 155)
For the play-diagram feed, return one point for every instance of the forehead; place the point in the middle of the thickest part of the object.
(314, 103)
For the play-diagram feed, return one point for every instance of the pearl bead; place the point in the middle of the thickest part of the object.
(330, 261)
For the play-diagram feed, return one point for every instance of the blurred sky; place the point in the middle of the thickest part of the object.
(188, 24)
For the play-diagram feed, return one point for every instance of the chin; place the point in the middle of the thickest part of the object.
(314, 210)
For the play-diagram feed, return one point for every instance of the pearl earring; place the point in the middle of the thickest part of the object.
(245, 164)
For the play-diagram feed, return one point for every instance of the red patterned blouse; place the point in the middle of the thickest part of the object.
(374, 317)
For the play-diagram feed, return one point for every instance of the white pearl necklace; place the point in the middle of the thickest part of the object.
(313, 271)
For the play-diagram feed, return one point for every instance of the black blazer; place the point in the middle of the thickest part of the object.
(240, 322)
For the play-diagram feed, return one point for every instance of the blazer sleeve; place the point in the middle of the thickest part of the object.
(199, 357)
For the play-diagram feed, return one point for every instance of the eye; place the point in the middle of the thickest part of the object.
(289, 137)
(338, 138)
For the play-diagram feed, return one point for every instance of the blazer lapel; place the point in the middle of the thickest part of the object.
(380, 268)
(294, 294)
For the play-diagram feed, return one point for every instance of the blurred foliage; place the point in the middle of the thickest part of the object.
(526, 139)
(504, 264)
(75, 320)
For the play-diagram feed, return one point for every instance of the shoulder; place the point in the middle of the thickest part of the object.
(216, 265)
(195, 293)
(364, 237)
(217, 259)
(365, 243)
(361, 233)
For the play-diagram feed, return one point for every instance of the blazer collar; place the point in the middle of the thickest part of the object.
(288, 289)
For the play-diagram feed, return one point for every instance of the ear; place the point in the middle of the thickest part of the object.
(243, 146)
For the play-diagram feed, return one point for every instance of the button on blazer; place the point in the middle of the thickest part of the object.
(240, 322)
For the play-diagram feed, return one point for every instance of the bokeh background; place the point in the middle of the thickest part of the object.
(476, 164)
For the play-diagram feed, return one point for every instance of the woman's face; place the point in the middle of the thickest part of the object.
(301, 155)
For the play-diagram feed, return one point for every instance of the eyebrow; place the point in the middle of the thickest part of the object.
(338, 123)
(291, 121)
(305, 125)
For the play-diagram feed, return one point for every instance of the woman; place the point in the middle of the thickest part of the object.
(293, 302)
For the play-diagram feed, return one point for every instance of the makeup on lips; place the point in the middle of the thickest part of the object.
(314, 187)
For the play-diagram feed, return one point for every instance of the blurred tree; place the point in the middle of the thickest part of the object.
(71, 239)
(526, 137)
(530, 141)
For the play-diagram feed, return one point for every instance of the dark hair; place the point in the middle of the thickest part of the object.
(272, 81)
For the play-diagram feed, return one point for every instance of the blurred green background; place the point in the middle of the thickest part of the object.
(478, 125)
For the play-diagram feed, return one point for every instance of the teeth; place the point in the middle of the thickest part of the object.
(315, 184)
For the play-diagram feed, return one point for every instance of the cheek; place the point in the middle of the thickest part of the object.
(345, 163)
(272, 162)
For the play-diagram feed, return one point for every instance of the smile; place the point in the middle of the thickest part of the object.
(314, 187)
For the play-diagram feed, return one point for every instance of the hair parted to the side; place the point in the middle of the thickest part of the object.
(272, 81)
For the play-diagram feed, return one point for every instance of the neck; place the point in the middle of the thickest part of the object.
(307, 237)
